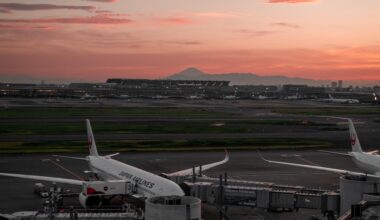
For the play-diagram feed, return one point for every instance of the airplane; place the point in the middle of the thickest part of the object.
(260, 97)
(369, 162)
(195, 97)
(87, 96)
(340, 100)
(230, 97)
(375, 97)
(160, 97)
(123, 96)
(112, 175)
(292, 97)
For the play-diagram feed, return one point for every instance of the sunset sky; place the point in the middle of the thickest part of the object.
(92, 40)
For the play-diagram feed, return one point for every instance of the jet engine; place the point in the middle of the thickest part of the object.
(97, 193)
(90, 200)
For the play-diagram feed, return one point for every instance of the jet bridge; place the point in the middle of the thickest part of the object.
(223, 192)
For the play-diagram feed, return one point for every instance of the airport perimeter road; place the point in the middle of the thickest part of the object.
(17, 194)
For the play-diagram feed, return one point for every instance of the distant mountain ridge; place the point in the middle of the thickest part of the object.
(189, 73)
(244, 78)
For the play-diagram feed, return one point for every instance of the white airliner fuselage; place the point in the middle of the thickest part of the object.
(369, 162)
(340, 100)
(148, 184)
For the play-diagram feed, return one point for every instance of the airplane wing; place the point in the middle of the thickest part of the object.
(328, 169)
(205, 167)
(333, 152)
(44, 178)
(67, 157)
(112, 155)
(374, 152)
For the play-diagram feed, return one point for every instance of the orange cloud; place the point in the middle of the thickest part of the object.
(216, 14)
(290, 1)
(286, 25)
(104, 1)
(186, 43)
(175, 21)
(256, 33)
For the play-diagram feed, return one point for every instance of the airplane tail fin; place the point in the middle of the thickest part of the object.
(354, 139)
(91, 140)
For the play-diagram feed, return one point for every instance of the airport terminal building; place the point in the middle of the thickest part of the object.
(179, 89)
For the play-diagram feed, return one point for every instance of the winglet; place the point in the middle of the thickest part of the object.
(261, 156)
(227, 157)
(91, 140)
(112, 155)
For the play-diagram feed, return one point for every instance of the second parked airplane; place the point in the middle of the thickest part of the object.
(369, 162)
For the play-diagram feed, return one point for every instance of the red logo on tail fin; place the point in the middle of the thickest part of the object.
(89, 142)
(353, 139)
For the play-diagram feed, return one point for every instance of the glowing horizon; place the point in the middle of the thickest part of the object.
(98, 39)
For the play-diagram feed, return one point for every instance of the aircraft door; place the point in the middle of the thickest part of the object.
(130, 188)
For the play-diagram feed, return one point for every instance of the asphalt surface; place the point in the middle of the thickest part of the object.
(17, 194)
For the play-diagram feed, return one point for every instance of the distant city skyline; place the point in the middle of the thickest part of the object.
(92, 40)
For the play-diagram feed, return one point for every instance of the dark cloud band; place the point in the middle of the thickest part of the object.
(8, 7)
(77, 20)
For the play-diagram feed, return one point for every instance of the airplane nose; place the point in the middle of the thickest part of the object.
(177, 190)
(180, 191)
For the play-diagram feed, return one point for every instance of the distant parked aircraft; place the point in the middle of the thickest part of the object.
(340, 100)
(194, 97)
(260, 97)
(88, 97)
(375, 97)
(160, 97)
(123, 96)
(292, 97)
(230, 97)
